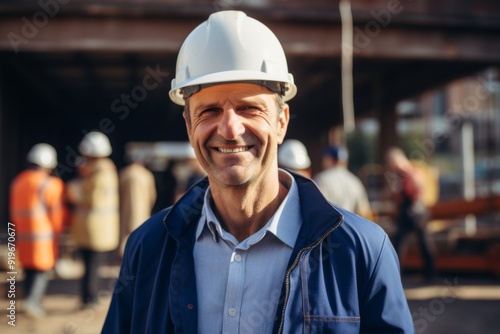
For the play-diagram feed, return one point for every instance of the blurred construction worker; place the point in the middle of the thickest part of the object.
(187, 172)
(408, 182)
(196, 171)
(37, 212)
(95, 220)
(137, 195)
(292, 154)
(339, 185)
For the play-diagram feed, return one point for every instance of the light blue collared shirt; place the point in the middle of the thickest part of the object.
(239, 284)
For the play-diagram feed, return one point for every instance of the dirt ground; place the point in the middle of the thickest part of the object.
(62, 306)
(63, 317)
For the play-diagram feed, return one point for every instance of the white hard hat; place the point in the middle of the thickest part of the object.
(43, 155)
(95, 144)
(293, 154)
(231, 47)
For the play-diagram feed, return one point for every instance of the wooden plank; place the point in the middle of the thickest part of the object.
(466, 14)
(451, 263)
(461, 207)
(63, 33)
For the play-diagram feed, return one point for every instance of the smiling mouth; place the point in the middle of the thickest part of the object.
(233, 150)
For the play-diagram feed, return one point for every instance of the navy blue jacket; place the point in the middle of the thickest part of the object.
(343, 275)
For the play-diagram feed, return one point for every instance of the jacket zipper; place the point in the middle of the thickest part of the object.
(294, 264)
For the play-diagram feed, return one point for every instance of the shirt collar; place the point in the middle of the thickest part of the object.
(284, 224)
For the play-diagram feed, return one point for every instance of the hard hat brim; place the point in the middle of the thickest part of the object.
(176, 96)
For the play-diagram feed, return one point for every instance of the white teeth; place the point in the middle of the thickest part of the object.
(232, 150)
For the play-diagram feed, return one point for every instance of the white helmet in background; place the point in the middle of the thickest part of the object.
(43, 155)
(95, 145)
(136, 155)
(231, 47)
(293, 154)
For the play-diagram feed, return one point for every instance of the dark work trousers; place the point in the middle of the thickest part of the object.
(413, 219)
(90, 282)
(35, 284)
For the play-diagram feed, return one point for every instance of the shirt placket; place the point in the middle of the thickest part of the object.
(234, 292)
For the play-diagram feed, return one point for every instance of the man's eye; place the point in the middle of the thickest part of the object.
(249, 108)
(209, 110)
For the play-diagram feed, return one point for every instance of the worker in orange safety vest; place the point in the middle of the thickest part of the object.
(37, 212)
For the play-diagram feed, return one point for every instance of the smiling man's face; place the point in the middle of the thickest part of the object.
(235, 130)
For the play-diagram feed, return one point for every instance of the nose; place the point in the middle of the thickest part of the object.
(230, 126)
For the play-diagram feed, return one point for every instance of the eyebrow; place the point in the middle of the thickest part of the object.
(240, 101)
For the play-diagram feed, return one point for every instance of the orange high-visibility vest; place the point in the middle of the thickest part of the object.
(37, 211)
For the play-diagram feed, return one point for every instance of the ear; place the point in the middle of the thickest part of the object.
(283, 120)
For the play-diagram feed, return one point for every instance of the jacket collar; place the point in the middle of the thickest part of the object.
(187, 211)
(318, 215)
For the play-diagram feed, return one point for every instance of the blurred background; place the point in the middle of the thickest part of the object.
(422, 75)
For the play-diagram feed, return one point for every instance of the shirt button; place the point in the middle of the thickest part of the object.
(237, 258)
(232, 312)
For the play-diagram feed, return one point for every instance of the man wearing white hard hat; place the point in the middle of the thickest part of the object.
(251, 248)
(37, 215)
(95, 217)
